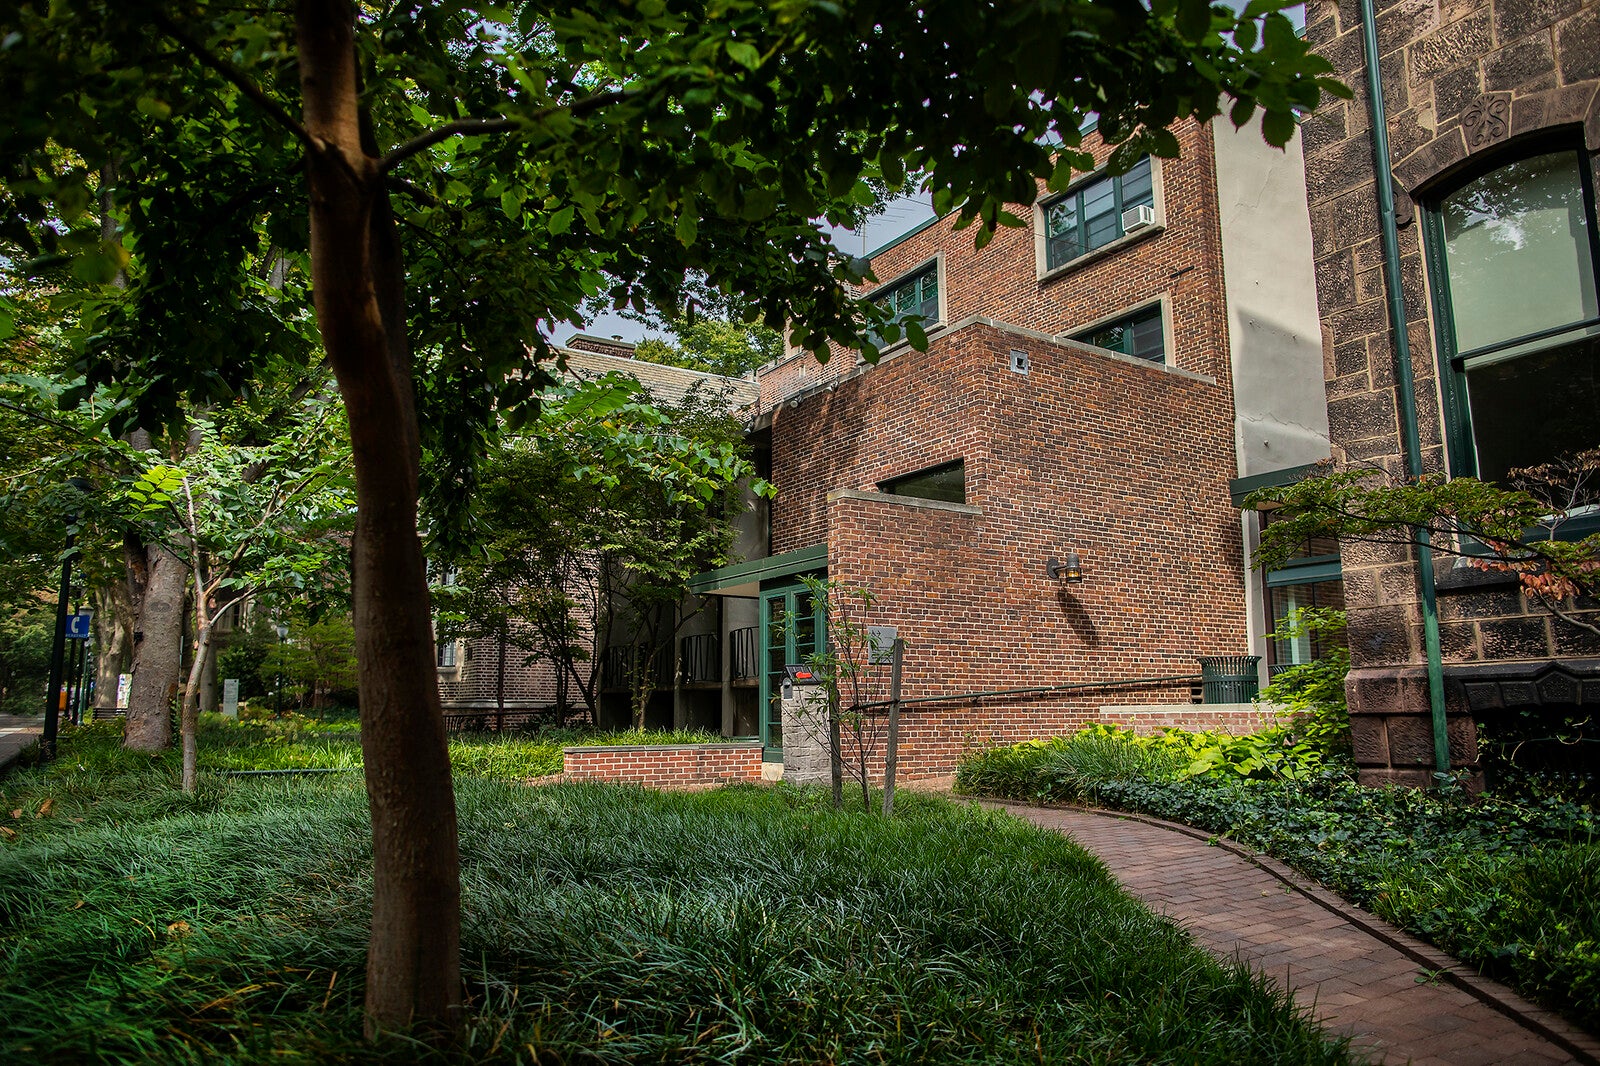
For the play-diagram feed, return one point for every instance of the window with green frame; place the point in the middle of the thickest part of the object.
(916, 294)
(1090, 216)
(1312, 578)
(1140, 335)
(1513, 259)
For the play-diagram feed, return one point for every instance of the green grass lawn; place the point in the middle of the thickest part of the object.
(601, 924)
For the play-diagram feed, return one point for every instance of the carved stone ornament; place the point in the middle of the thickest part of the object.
(1487, 121)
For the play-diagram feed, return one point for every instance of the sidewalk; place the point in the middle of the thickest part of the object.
(1398, 998)
(16, 733)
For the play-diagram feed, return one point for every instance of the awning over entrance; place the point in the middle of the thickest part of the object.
(1240, 487)
(745, 579)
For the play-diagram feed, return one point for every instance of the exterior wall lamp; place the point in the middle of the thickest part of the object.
(1068, 573)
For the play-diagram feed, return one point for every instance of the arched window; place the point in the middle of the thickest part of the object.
(1513, 258)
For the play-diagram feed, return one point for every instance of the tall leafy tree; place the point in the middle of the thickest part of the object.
(548, 153)
(715, 346)
(607, 503)
(247, 518)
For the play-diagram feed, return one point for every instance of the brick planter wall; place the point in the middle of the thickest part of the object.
(666, 765)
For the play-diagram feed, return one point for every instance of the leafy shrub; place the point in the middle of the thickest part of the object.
(25, 660)
(1270, 753)
(1539, 752)
(1313, 692)
(1073, 768)
(1006, 773)
(1089, 760)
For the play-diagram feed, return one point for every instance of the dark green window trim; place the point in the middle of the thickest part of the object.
(1240, 487)
(1306, 571)
(1459, 444)
(1067, 223)
(765, 569)
(914, 294)
(1123, 335)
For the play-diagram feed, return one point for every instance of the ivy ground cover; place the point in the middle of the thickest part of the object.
(602, 924)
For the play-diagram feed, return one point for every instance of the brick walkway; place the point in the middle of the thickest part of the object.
(1398, 998)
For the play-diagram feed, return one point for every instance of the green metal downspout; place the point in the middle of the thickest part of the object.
(1407, 398)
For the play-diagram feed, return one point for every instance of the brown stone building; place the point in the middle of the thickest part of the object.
(1096, 383)
(1485, 271)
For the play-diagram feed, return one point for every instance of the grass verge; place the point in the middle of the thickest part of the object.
(601, 924)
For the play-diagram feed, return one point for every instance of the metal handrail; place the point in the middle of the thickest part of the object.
(700, 656)
(742, 660)
(1132, 682)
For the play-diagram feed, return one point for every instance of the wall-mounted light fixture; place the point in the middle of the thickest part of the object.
(1068, 573)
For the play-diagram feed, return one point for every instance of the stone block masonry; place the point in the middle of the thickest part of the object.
(666, 766)
(1467, 85)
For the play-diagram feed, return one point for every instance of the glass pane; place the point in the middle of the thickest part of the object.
(1137, 187)
(1114, 338)
(805, 626)
(947, 483)
(1517, 247)
(930, 294)
(1148, 341)
(1100, 214)
(1532, 409)
(1062, 216)
(775, 713)
(1060, 250)
(905, 299)
(1287, 598)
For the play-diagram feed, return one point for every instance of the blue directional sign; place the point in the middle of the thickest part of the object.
(78, 625)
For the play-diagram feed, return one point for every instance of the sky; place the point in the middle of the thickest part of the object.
(899, 216)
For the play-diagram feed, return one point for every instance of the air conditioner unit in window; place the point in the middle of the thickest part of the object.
(1136, 218)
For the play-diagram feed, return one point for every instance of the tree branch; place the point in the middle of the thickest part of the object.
(236, 77)
(463, 127)
(473, 127)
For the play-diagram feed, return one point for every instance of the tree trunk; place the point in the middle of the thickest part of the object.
(209, 702)
(157, 653)
(413, 963)
(113, 637)
(189, 723)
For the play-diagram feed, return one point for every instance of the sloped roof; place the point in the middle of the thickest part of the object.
(665, 384)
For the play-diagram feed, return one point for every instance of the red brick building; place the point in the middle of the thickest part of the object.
(1097, 383)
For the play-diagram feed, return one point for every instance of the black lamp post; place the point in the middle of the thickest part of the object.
(54, 703)
(283, 631)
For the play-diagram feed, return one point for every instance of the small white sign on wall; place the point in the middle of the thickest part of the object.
(880, 644)
(124, 684)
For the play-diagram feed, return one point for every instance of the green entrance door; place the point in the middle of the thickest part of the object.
(792, 628)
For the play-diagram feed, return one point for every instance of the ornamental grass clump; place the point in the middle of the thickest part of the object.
(602, 924)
